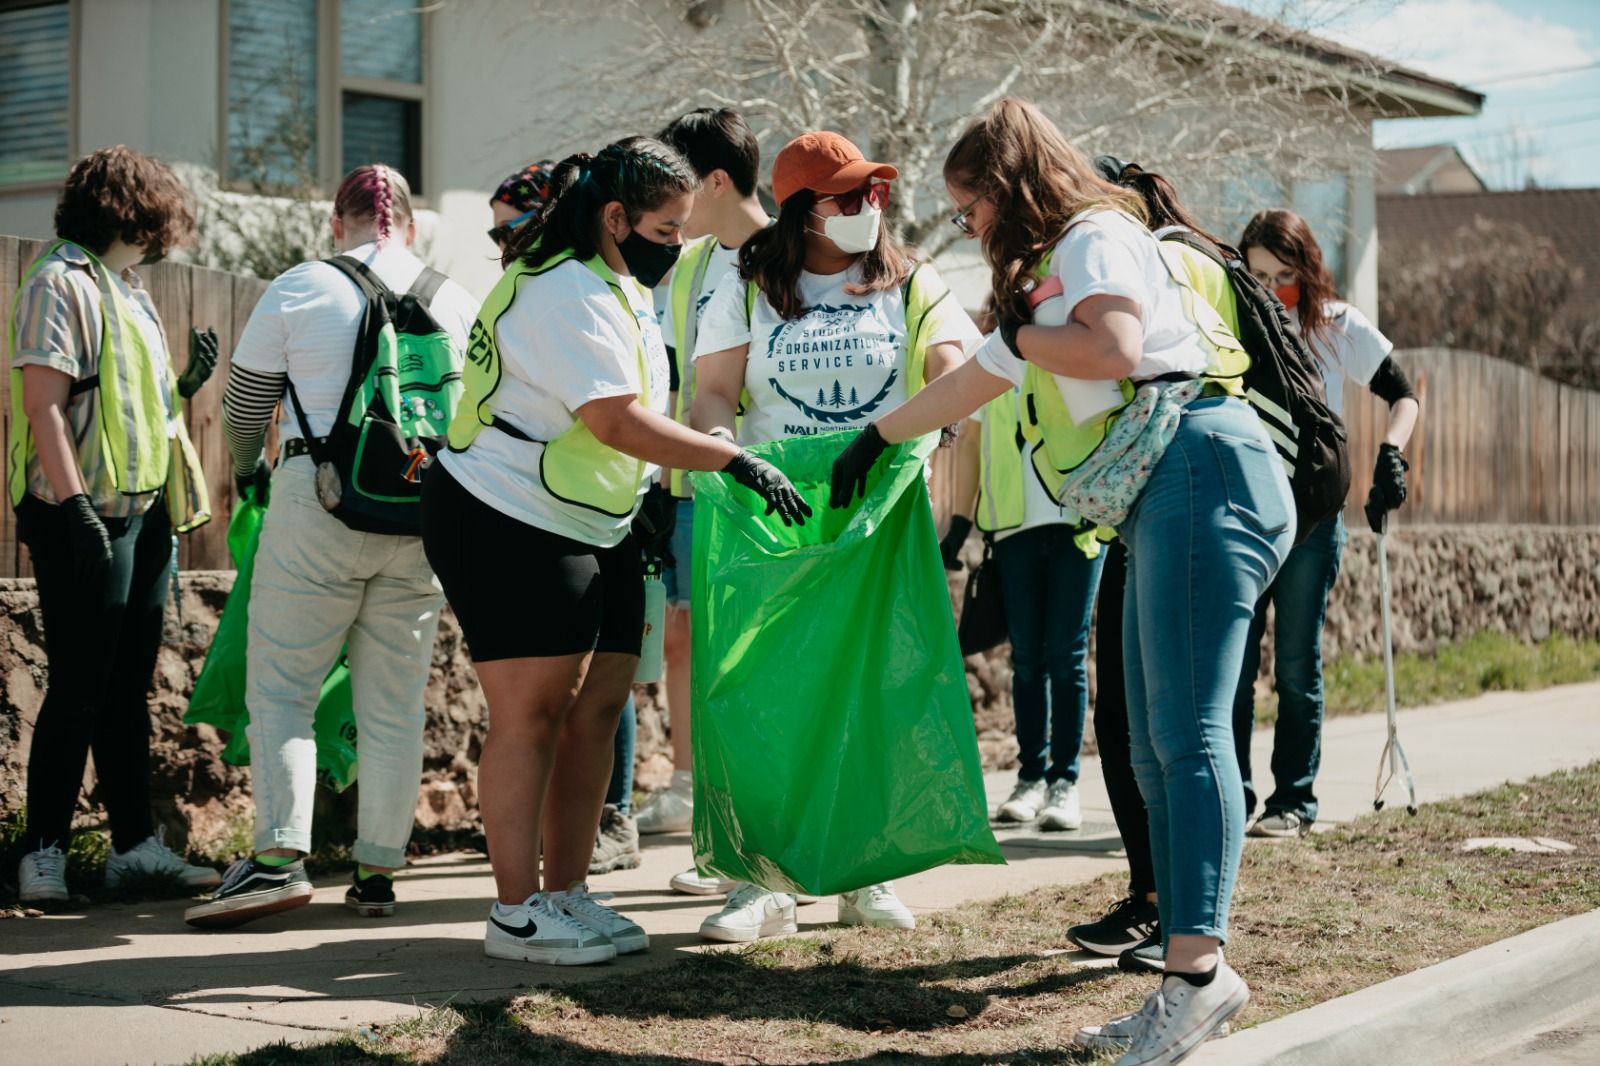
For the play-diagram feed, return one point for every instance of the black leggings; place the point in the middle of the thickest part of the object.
(1111, 726)
(101, 640)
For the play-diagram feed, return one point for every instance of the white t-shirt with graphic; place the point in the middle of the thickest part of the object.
(1108, 253)
(1352, 348)
(838, 366)
(564, 341)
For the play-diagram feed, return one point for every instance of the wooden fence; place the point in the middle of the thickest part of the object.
(185, 296)
(1496, 443)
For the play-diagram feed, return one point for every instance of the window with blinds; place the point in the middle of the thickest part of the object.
(347, 76)
(35, 93)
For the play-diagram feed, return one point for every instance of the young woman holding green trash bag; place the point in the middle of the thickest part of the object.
(1184, 472)
(826, 322)
(530, 521)
(100, 476)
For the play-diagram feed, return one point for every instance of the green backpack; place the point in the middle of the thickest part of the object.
(405, 382)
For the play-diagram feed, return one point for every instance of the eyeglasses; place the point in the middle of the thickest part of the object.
(876, 194)
(960, 221)
(501, 234)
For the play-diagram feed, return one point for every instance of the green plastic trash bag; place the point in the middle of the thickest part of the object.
(218, 697)
(832, 733)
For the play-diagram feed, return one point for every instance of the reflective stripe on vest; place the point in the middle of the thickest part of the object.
(1000, 502)
(688, 281)
(575, 467)
(1060, 445)
(134, 421)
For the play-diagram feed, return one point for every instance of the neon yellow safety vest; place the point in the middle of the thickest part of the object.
(141, 454)
(1060, 445)
(1000, 487)
(683, 295)
(574, 467)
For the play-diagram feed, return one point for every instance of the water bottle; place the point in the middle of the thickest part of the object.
(1088, 402)
(655, 626)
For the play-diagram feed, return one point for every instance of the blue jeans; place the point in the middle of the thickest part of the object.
(1300, 595)
(620, 791)
(1048, 587)
(679, 577)
(1205, 538)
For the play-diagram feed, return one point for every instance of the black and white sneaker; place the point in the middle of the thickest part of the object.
(252, 890)
(1127, 925)
(1147, 957)
(370, 897)
(536, 930)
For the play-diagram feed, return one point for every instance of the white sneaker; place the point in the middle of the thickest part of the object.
(670, 811)
(535, 930)
(152, 856)
(42, 876)
(1279, 824)
(876, 906)
(1183, 1017)
(750, 914)
(1117, 1034)
(1025, 801)
(578, 903)
(694, 883)
(1061, 807)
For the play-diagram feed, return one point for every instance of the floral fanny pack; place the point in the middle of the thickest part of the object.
(1104, 487)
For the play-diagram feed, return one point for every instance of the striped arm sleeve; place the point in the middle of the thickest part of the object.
(247, 406)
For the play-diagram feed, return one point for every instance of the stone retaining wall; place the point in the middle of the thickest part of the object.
(1448, 583)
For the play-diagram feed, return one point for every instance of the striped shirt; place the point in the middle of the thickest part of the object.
(58, 323)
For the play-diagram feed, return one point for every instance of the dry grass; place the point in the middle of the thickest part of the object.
(994, 982)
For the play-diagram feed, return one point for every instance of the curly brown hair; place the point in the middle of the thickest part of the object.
(118, 192)
(1035, 182)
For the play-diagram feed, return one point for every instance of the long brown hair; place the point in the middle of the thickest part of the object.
(773, 258)
(1287, 236)
(1035, 182)
(1161, 201)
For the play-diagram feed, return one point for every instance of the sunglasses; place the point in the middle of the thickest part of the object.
(961, 221)
(501, 234)
(876, 194)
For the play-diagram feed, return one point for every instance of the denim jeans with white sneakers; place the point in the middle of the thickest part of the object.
(1212, 526)
(319, 586)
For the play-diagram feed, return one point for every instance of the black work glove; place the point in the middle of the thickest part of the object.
(202, 361)
(255, 487)
(950, 546)
(854, 463)
(1389, 475)
(91, 544)
(1377, 513)
(768, 482)
(654, 523)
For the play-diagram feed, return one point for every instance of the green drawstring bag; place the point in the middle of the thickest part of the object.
(832, 731)
(218, 697)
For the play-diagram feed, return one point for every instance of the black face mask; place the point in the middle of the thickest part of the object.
(648, 260)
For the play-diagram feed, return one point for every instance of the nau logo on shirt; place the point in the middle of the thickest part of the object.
(835, 364)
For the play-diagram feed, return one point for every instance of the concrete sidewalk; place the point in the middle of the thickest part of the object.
(133, 984)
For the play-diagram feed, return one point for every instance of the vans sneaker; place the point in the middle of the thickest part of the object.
(1023, 805)
(694, 883)
(42, 876)
(1183, 1017)
(1061, 808)
(252, 890)
(670, 811)
(750, 914)
(876, 906)
(153, 857)
(1279, 824)
(578, 904)
(616, 847)
(536, 930)
(371, 896)
(1127, 925)
(1118, 1033)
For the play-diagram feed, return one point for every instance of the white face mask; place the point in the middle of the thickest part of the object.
(853, 234)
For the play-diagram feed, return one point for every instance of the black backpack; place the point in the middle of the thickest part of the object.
(405, 381)
(1285, 387)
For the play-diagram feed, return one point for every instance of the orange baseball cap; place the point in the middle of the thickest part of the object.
(823, 162)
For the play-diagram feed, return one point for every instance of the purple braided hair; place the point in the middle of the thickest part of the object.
(378, 192)
(382, 202)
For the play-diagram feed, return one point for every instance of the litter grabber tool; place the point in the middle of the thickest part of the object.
(1392, 763)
